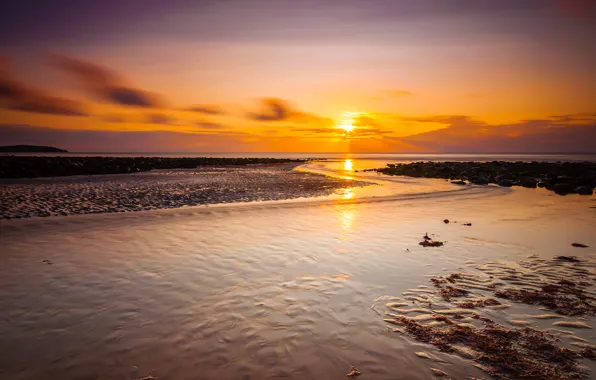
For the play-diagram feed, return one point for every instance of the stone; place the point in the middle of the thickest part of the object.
(584, 190)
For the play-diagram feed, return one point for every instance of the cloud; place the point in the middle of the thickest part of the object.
(208, 125)
(272, 109)
(105, 84)
(440, 119)
(156, 118)
(15, 95)
(113, 118)
(564, 133)
(206, 109)
(275, 109)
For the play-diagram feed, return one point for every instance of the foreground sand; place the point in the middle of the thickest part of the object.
(296, 290)
(159, 189)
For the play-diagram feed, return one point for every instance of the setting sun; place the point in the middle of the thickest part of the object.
(347, 122)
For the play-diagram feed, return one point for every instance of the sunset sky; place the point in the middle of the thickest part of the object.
(299, 75)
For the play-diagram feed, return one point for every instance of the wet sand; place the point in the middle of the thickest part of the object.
(159, 189)
(291, 289)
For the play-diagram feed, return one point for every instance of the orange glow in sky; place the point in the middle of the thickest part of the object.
(204, 77)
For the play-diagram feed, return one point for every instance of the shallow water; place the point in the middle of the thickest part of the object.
(264, 290)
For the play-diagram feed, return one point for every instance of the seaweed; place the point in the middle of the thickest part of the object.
(449, 291)
(565, 298)
(505, 353)
(472, 304)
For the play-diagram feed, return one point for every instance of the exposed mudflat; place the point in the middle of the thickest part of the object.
(159, 189)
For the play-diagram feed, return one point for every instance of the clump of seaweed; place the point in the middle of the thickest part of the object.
(428, 242)
(505, 353)
(565, 297)
(449, 291)
(472, 304)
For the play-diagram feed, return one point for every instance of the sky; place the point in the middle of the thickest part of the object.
(299, 76)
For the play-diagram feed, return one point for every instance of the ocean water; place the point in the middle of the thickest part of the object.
(384, 157)
(270, 290)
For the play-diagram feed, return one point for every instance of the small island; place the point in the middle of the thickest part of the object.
(30, 149)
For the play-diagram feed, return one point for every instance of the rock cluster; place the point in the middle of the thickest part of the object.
(561, 177)
(31, 167)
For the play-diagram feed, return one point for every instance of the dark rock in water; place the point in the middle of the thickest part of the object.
(563, 188)
(560, 177)
(459, 182)
(579, 245)
(480, 181)
(584, 190)
(446, 221)
(529, 183)
(467, 224)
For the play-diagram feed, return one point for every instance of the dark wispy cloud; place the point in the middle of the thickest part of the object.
(112, 118)
(209, 125)
(275, 109)
(105, 84)
(16, 95)
(564, 133)
(206, 109)
(157, 118)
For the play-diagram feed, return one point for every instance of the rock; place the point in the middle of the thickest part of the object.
(529, 183)
(584, 190)
(459, 182)
(506, 183)
(579, 245)
(480, 181)
(541, 184)
(563, 188)
(446, 221)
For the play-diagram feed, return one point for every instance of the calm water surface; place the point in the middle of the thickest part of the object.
(263, 290)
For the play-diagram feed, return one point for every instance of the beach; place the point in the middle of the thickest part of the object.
(268, 281)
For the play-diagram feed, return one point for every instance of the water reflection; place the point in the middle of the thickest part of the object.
(348, 165)
(347, 215)
(348, 194)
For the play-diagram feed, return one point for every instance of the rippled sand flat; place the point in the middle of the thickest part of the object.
(275, 290)
(158, 189)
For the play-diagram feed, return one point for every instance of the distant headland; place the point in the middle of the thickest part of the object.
(30, 149)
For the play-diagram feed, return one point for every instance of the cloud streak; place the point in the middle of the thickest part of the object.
(18, 96)
(275, 109)
(104, 84)
(564, 133)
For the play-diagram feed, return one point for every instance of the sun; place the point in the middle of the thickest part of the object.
(347, 121)
(348, 127)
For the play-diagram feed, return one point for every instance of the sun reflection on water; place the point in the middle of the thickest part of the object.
(348, 194)
(347, 216)
(348, 165)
